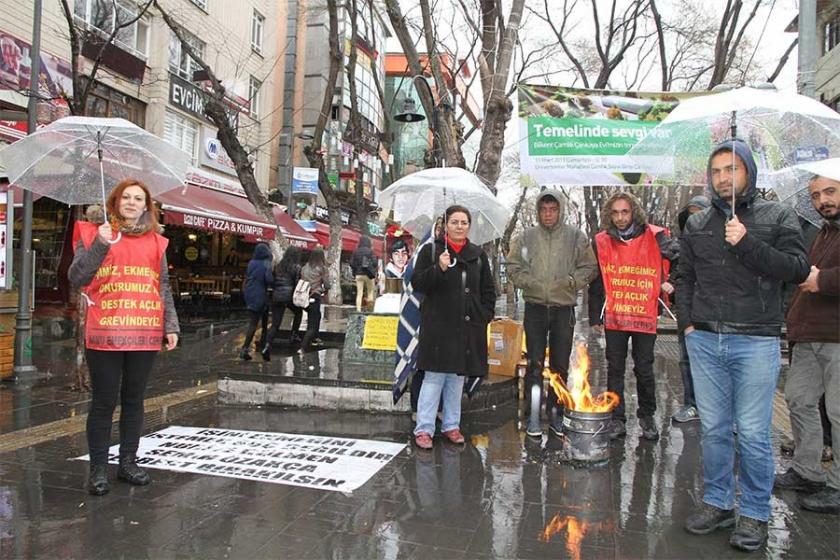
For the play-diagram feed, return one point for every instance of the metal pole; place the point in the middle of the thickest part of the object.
(23, 319)
(807, 47)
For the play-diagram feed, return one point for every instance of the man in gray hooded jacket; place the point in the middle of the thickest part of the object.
(550, 263)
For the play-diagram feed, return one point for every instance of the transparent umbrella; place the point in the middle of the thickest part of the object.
(791, 185)
(776, 126)
(420, 198)
(77, 160)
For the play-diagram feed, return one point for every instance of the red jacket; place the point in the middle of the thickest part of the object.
(816, 317)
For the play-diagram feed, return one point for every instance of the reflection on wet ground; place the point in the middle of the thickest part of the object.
(501, 495)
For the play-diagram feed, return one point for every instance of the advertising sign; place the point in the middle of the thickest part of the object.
(213, 155)
(581, 136)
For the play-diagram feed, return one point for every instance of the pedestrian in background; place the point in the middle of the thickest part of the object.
(459, 301)
(729, 298)
(120, 357)
(286, 276)
(628, 301)
(688, 411)
(550, 263)
(258, 279)
(363, 262)
(314, 272)
(813, 324)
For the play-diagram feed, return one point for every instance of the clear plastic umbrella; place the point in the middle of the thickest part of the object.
(77, 160)
(776, 126)
(418, 199)
(791, 185)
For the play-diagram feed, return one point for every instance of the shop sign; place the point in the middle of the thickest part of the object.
(202, 179)
(190, 99)
(214, 155)
(305, 180)
(374, 229)
(324, 215)
(362, 138)
(220, 224)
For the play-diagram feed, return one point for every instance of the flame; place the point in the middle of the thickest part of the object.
(575, 531)
(578, 396)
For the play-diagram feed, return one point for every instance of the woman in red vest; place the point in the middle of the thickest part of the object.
(120, 267)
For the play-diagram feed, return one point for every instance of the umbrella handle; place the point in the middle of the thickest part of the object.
(114, 241)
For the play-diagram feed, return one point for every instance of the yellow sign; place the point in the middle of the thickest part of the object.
(191, 253)
(380, 332)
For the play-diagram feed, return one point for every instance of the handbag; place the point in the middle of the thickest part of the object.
(300, 297)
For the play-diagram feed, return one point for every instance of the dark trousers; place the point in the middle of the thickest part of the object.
(120, 374)
(685, 370)
(255, 318)
(555, 324)
(278, 309)
(313, 322)
(616, 352)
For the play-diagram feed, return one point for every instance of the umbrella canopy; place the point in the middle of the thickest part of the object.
(791, 185)
(418, 199)
(776, 126)
(75, 159)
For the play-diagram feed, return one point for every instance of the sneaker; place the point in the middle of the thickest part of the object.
(244, 355)
(423, 440)
(792, 480)
(685, 414)
(266, 353)
(649, 431)
(787, 447)
(749, 534)
(709, 519)
(618, 429)
(454, 435)
(826, 500)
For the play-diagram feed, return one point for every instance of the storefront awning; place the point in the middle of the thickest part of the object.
(349, 239)
(212, 210)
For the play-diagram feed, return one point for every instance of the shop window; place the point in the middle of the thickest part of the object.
(180, 62)
(831, 34)
(104, 16)
(104, 101)
(49, 226)
(182, 133)
(257, 30)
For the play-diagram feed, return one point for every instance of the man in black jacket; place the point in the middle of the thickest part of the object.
(729, 295)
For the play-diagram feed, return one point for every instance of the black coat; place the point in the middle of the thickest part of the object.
(284, 284)
(458, 305)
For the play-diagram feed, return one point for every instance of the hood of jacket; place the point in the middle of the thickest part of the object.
(262, 252)
(551, 194)
(743, 151)
(699, 201)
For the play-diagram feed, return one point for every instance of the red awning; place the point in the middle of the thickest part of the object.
(349, 239)
(213, 210)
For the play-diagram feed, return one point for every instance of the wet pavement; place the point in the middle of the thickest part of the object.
(501, 495)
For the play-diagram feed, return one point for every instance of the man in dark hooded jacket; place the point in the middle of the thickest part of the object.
(729, 295)
(688, 411)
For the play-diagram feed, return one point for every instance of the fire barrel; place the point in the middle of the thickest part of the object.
(587, 435)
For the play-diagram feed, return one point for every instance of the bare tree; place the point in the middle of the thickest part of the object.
(728, 38)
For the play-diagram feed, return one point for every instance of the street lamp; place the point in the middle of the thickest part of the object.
(409, 114)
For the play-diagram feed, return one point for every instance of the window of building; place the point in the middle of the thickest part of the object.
(104, 101)
(257, 28)
(180, 62)
(832, 34)
(104, 17)
(254, 86)
(182, 133)
(200, 3)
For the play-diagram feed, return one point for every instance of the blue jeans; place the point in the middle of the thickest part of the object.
(449, 386)
(735, 379)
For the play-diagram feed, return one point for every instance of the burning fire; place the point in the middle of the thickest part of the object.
(578, 396)
(575, 531)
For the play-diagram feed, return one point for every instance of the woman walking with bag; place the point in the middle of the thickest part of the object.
(121, 269)
(258, 278)
(286, 276)
(460, 299)
(314, 272)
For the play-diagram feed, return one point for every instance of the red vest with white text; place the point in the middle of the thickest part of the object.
(125, 308)
(632, 272)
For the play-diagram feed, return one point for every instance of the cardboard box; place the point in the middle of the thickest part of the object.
(504, 346)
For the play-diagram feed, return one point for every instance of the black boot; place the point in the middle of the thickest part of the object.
(98, 484)
(130, 472)
(266, 353)
(244, 355)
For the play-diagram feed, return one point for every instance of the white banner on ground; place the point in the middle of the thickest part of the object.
(325, 463)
